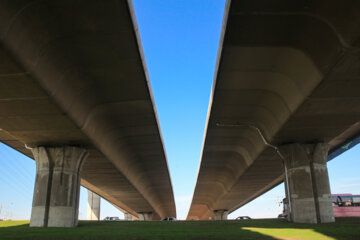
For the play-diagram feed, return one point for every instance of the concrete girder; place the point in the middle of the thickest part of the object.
(85, 85)
(292, 71)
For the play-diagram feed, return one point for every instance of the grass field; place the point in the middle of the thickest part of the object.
(348, 228)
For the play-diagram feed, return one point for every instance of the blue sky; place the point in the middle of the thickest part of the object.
(180, 41)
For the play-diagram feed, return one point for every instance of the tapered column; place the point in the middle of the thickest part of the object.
(57, 186)
(93, 207)
(308, 183)
(221, 214)
(145, 216)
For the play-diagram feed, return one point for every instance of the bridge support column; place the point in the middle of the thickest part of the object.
(221, 214)
(307, 181)
(128, 217)
(93, 207)
(145, 216)
(57, 186)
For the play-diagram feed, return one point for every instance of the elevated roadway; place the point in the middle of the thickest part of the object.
(287, 73)
(73, 74)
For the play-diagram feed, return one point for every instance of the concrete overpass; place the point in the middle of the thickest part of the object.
(75, 89)
(286, 90)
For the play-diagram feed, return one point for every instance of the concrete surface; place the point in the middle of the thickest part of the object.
(145, 216)
(57, 186)
(309, 187)
(128, 217)
(72, 73)
(221, 214)
(93, 207)
(288, 68)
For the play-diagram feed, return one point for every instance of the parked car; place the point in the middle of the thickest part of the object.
(243, 218)
(168, 219)
(112, 219)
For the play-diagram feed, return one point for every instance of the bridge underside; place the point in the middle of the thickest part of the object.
(72, 73)
(287, 72)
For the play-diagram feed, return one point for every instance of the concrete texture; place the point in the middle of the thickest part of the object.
(72, 73)
(290, 69)
(309, 187)
(57, 186)
(93, 207)
(220, 214)
(128, 217)
(145, 216)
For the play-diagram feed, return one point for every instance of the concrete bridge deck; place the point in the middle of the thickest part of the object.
(287, 72)
(72, 73)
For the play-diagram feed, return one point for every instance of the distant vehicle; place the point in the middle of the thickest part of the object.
(284, 214)
(168, 219)
(243, 218)
(112, 219)
(344, 205)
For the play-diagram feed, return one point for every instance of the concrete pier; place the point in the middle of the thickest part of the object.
(308, 180)
(221, 214)
(93, 207)
(57, 186)
(128, 217)
(145, 216)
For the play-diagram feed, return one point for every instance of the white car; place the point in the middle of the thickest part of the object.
(112, 219)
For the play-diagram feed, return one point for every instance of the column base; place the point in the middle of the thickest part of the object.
(128, 217)
(145, 216)
(309, 194)
(57, 186)
(221, 214)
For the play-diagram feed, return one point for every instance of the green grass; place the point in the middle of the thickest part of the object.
(348, 228)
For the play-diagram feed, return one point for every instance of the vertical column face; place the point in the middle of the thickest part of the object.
(145, 216)
(221, 214)
(308, 183)
(322, 184)
(57, 186)
(93, 208)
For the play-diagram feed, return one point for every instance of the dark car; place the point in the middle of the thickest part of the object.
(243, 218)
(168, 219)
